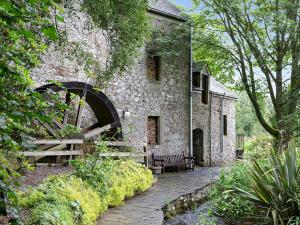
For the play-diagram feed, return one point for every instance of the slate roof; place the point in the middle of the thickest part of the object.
(219, 88)
(215, 86)
(165, 7)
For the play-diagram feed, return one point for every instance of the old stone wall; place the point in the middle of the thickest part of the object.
(131, 92)
(201, 119)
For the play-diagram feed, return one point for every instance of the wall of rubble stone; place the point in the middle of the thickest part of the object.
(130, 92)
(133, 92)
(201, 119)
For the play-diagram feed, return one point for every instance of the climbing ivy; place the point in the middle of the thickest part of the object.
(171, 39)
(126, 28)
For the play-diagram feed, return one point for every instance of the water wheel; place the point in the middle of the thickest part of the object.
(88, 114)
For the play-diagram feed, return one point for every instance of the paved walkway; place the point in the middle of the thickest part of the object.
(145, 209)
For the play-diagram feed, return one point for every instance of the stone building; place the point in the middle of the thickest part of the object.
(151, 102)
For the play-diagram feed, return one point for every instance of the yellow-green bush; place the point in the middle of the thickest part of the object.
(128, 178)
(58, 197)
(77, 199)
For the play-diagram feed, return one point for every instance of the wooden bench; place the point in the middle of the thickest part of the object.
(178, 160)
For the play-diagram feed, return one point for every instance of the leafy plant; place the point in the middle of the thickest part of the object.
(62, 200)
(73, 200)
(276, 188)
(230, 204)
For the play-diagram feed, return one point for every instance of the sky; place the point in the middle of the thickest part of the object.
(186, 3)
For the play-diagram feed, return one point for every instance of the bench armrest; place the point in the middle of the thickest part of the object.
(161, 161)
(189, 157)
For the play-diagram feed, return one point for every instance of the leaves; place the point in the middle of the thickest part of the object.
(276, 187)
(259, 41)
(126, 28)
(51, 33)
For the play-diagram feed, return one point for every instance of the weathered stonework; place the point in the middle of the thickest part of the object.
(133, 92)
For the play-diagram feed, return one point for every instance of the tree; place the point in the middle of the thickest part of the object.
(246, 120)
(261, 40)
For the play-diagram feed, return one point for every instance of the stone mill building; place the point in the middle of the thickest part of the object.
(170, 111)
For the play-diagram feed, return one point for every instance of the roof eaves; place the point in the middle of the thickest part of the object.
(226, 95)
(166, 14)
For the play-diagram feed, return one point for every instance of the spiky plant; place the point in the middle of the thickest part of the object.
(276, 187)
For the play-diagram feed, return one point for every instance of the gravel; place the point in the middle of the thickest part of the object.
(35, 177)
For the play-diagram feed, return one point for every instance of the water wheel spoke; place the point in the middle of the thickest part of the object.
(80, 109)
(91, 103)
(96, 131)
(50, 130)
(57, 123)
(66, 113)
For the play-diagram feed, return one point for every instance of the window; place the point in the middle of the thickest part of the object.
(196, 80)
(153, 130)
(205, 89)
(153, 66)
(225, 124)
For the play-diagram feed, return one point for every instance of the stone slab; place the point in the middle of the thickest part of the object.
(145, 209)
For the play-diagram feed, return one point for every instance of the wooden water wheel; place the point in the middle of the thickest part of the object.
(88, 111)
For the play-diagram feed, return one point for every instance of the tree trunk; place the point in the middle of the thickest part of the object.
(282, 141)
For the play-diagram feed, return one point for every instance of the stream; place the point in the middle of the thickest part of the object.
(199, 216)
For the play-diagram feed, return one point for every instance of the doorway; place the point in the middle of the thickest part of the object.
(198, 146)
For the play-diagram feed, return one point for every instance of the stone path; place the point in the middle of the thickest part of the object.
(145, 209)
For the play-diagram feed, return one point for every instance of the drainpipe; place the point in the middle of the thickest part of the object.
(210, 127)
(222, 123)
(191, 100)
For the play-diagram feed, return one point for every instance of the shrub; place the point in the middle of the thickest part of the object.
(259, 147)
(127, 179)
(82, 198)
(276, 188)
(230, 204)
(62, 200)
(114, 180)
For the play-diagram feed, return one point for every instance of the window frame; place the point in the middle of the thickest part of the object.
(197, 82)
(157, 63)
(158, 130)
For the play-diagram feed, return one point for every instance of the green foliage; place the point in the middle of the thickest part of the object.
(276, 188)
(23, 39)
(246, 120)
(259, 148)
(73, 200)
(172, 40)
(62, 200)
(27, 28)
(204, 42)
(126, 27)
(230, 204)
(257, 40)
(128, 178)
(114, 180)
